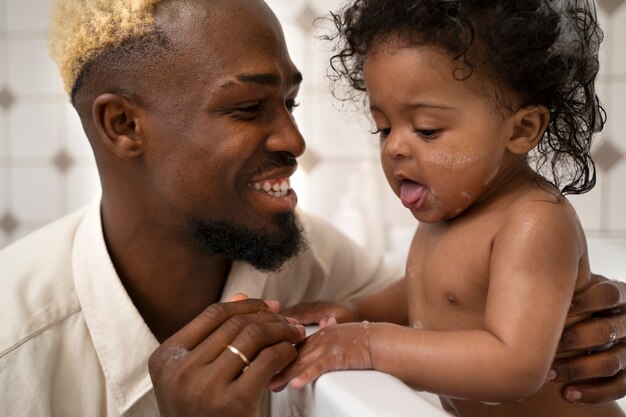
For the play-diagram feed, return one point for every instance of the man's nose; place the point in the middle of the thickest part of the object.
(287, 137)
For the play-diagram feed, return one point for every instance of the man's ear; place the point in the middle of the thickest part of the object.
(116, 119)
(529, 124)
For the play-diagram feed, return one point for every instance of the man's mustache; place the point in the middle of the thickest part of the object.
(276, 160)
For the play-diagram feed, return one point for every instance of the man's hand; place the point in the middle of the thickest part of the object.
(196, 373)
(597, 375)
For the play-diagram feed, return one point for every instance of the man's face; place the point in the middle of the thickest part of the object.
(221, 140)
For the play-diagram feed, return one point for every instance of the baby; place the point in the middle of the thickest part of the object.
(468, 96)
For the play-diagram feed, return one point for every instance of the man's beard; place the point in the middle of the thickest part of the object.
(263, 250)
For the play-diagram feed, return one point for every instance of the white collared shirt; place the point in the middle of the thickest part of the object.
(72, 344)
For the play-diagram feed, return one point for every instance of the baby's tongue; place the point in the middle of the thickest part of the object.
(412, 194)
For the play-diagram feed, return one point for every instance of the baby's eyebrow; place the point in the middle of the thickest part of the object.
(430, 106)
(374, 108)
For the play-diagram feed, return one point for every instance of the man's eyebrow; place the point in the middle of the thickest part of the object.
(263, 79)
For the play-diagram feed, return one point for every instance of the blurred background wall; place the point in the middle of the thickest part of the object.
(47, 170)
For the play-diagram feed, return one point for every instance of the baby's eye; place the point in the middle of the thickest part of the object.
(382, 131)
(428, 134)
(291, 105)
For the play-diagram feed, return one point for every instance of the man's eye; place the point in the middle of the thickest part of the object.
(253, 108)
(291, 104)
(245, 111)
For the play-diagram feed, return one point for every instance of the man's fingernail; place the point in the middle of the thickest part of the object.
(552, 374)
(573, 395)
(272, 304)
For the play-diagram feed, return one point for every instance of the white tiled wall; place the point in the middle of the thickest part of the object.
(45, 171)
(46, 166)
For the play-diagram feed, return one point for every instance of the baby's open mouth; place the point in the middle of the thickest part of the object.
(412, 194)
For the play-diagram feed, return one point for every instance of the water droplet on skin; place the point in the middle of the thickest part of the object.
(527, 228)
(175, 354)
(491, 176)
(453, 160)
(365, 324)
(410, 273)
(418, 325)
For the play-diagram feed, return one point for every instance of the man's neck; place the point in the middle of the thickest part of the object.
(170, 283)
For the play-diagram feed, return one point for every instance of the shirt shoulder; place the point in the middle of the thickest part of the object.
(36, 284)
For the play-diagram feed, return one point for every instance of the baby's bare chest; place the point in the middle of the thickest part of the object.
(448, 277)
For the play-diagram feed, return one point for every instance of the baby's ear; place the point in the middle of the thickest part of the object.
(529, 124)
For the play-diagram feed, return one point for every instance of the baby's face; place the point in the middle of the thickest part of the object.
(442, 143)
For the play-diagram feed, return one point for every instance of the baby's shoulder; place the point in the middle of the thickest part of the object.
(542, 208)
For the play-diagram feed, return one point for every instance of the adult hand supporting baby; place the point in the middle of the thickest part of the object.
(598, 376)
(196, 373)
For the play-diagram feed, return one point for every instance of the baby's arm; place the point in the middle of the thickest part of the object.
(388, 305)
(534, 266)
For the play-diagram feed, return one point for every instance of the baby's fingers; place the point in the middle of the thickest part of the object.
(327, 321)
(310, 374)
(315, 312)
(281, 380)
(306, 313)
(298, 375)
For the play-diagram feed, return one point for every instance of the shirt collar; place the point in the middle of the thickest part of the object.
(122, 339)
(244, 279)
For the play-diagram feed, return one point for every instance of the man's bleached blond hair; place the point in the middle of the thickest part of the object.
(80, 30)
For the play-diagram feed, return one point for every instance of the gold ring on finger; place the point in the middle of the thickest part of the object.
(238, 353)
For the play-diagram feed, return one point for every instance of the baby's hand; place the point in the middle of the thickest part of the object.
(323, 313)
(343, 346)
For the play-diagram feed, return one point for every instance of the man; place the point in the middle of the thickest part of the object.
(187, 105)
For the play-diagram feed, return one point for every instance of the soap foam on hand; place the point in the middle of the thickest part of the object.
(413, 195)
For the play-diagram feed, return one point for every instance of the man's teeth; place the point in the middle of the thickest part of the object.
(274, 187)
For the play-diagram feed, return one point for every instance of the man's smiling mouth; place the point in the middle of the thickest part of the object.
(276, 187)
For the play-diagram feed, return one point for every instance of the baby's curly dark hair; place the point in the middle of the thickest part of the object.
(544, 51)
